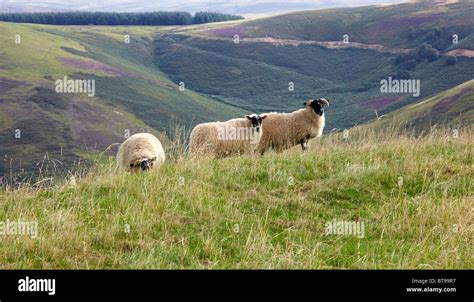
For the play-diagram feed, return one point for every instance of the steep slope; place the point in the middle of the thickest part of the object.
(268, 212)
(453, 107)
(131, 95)
(405, 25)
(305, 51)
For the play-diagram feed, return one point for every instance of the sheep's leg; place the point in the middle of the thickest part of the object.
(304, 144)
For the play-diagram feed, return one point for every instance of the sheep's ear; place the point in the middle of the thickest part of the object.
(323, 102)
(304, 104)
(248, 116)
(153, 159)
(263, 117)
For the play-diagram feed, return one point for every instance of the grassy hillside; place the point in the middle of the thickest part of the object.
(413, 195)
(453, 107)
(406, 25)
(254, 74)
(131, 94)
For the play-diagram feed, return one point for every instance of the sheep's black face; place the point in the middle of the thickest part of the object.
(318, 109)
(256, 121)
(317, 105)
(146, 165)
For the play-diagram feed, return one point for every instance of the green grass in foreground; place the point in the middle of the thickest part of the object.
(260, 212)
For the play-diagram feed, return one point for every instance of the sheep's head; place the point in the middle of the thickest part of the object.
(317, 105)
(256, 120)
(143, 164)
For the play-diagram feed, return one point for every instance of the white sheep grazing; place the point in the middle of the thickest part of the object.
(285, 130)
(140, 151)
(219, 139)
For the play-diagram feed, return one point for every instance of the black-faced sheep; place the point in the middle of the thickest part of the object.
(141, 151)
(285, 130)
(219, 139)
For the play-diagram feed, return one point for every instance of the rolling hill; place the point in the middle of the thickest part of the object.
(306, 50)
(451, 108)
(404, 25)
(412, 195)
(131, 95)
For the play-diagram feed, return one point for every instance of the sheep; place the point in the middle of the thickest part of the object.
(285, 130)
(141, 151)
(220, 139)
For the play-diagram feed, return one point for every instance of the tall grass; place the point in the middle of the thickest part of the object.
(413, 194)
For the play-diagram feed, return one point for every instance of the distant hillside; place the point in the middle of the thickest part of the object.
(453, 107)
(406, 25)
(131, 95)
(305, 51)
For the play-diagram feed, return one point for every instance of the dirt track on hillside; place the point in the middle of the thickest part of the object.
(327, 44)
(342, 45)
(461, 53)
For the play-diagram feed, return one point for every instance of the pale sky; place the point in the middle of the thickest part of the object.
(242, 7)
